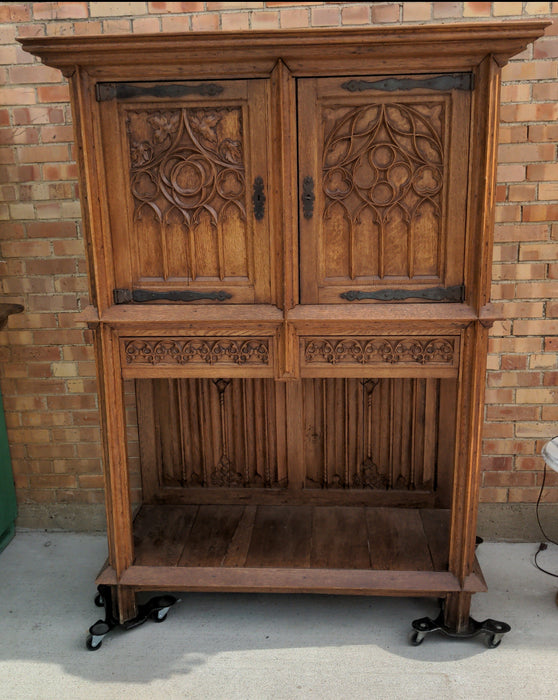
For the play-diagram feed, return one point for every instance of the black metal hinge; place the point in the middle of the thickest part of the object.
(456, 294)
(140, 296)
(450, 81)
(123, 91)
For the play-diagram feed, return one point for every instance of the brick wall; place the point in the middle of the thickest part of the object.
(47, 368)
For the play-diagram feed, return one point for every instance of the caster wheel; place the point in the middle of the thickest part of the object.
(92, 644)
(99, 601)
(159, 616)
(492, 641)
(416, 638)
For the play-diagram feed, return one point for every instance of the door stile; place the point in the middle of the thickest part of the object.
(283, 210)
(482, 176)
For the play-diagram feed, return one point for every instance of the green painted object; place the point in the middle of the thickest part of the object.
(8, 507)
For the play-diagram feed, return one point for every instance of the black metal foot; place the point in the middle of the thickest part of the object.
(156, 608)
(493, 630)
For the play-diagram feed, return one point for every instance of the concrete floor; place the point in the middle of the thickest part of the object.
(267, 646)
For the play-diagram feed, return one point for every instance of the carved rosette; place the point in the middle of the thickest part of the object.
(365, 351)
(184, 162)
(197, 350)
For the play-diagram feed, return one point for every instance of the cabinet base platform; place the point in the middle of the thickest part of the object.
(346, 550)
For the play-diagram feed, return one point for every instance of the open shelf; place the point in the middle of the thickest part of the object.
(284, 548)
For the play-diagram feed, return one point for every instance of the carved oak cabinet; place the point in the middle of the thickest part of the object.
(289, 240)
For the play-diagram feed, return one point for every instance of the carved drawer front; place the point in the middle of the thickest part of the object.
(187, 177)
(197, 356)
(383, 167)
(377, 356)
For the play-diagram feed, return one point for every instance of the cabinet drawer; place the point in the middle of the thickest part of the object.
(392, 356)
(166, 356)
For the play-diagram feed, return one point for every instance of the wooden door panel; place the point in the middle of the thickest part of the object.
(181, 174)
(385, 162)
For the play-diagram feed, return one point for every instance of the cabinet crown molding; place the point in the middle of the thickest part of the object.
(453, 46)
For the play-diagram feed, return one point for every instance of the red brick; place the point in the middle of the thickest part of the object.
(443, 10)
(49, 230)
(38, 115)
(546, 48)
(14, 12)
(29, 30)
(493, 495)
(476, 9)
(146, 25)
(235, 20)
(385, 13)
(26, 249)
(540, 212)
(54, 93)
(57, 134)
(522, 193)
(511, 362)
(290, 19)
(417, 11)
(175, 7)
(17, 96)
(519, 153)
(518, 92)
(355, 14)
(511, 173)
(205, 22)
(509, 479)
(60, 10)
(19, 135)
(496, 463)
(524, 495)
(502, 9)
(265, 20)
(325, 16)
(36, 73)
(514, 134)
(177, 24)
(89, 27)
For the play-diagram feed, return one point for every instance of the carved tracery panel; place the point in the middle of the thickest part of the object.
(188, 182)
(382, 178)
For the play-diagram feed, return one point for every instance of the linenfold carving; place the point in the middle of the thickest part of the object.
(379, 350)
(156, 351)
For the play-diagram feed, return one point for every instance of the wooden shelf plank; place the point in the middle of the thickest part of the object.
(292, 536)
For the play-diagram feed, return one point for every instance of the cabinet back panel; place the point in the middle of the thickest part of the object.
(375, 435)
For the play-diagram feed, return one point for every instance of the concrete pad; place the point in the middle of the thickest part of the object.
(267, 646)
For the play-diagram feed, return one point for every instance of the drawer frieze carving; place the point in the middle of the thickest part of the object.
(379, 350)
(182, 351)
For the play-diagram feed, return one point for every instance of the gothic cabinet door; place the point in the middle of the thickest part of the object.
(187, 168)
(383, 178)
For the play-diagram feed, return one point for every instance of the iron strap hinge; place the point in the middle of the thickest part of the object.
(140, 296)
(450, 81)
(455, 294)
(123, 91)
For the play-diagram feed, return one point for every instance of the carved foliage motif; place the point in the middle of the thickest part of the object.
(197, 350)
(185, 162)
(380, 350)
